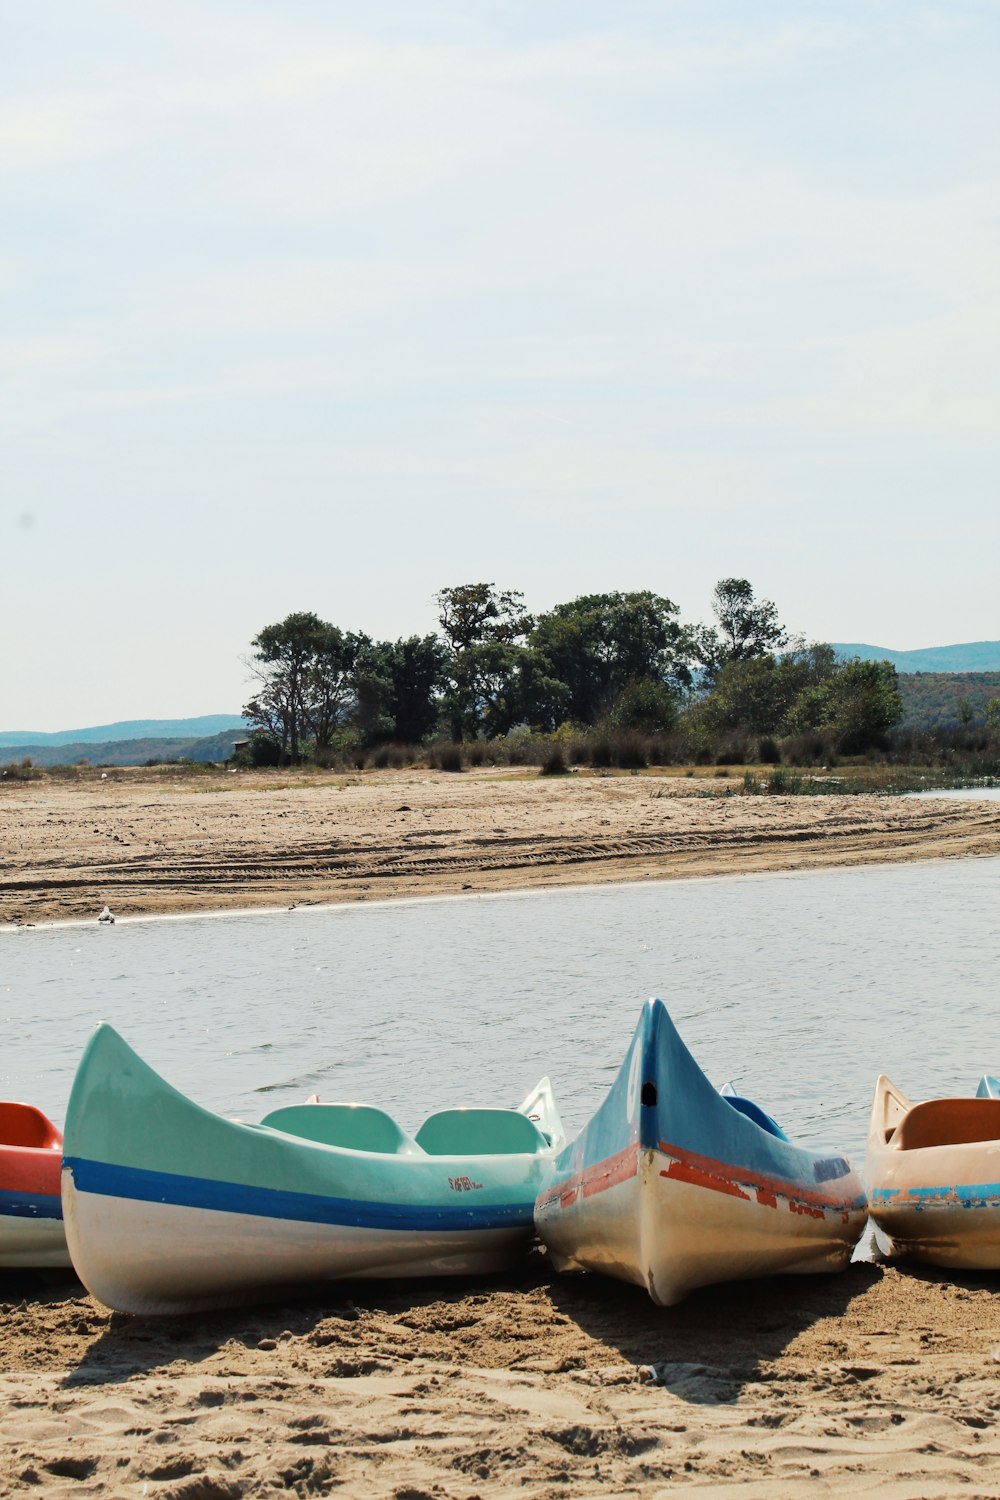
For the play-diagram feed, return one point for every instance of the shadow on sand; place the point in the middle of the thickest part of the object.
(706, 1350)
(720, 1338)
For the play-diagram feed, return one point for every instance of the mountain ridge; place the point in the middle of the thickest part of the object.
(969, 656)
(202, 726)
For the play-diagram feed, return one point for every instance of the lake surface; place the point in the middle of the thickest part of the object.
(801, 988)
(964, 793)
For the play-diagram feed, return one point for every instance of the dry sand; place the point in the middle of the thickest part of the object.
(873, 1381)
(879, 1379)
(143, 843)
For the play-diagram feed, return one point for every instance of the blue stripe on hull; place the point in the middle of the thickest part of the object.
(962, 1195)
(30, 1205)
(274, 1203)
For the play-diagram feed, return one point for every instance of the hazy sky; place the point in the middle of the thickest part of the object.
(315, 305)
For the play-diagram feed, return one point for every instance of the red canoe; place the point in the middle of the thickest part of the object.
(31, 1223)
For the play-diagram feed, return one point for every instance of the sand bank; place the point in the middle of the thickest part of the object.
(876, 1381)
(143, 842)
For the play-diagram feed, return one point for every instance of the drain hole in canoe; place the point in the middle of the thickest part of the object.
(648, 1095)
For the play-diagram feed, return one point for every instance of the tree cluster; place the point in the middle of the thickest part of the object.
(617, 660)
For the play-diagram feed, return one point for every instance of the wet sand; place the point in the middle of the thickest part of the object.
(881, 1379)
(143, 842)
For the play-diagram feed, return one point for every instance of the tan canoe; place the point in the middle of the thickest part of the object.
(932, 1175)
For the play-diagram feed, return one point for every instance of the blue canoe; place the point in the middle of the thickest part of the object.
(673, 1185)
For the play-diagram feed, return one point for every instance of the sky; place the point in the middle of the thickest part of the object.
(322, 306)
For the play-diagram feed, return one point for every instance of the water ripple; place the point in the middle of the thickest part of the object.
(800, 988)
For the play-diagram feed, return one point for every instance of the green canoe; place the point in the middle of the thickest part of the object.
(171, 1208)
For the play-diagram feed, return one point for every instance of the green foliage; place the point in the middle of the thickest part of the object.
(305, 667)
(473, 614)
(865, 704)
(931, 699)
(603, 678)
(262, 749)
(600, 645)
(445, 757)
(645, 703)
(398, 689)
(753, 696)
(554, 763)
(748, 628)
(493, 680)
(24, 771)
(852, 704)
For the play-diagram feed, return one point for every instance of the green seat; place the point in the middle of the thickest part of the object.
(479, 1132)
(357, 1127)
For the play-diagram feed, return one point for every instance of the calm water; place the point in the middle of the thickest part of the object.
(965, 793)
(799, 987)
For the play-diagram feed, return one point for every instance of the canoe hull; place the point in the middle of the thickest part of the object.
(170, 1208)
(671, 1236)
(673, 1217)
(31, 1223)
(219, 1258)
(32, 1241)
(957, 1227)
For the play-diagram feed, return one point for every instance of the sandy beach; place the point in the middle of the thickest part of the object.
(145, 842)
(876, 1381)
(882, 1378)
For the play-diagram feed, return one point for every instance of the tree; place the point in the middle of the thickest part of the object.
(770, 694)
(753, 696)
(283, 655)
(399, 686)
(305, 667)
(866, 704)
(645, 704)
(475, 613)
(483, 628)
(599, 644)
(748, 629)
(329, 689)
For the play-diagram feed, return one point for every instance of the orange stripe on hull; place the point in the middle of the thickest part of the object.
(698, 1171)
(721, 1177)
(595, 1179)
(680, 1172)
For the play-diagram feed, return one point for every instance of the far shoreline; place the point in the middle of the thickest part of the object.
(428, 898)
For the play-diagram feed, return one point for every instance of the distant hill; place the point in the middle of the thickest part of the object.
(975, 656)
(931, 699)
(216, 747)
(129, 729)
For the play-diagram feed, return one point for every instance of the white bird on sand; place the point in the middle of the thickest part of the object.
(106, 915)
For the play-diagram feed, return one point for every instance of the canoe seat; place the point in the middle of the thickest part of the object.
(479, 1132)
(949, 1122)
(357, 1127)
(24, 1125)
